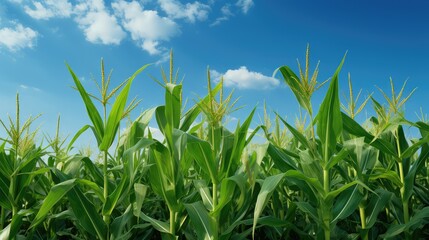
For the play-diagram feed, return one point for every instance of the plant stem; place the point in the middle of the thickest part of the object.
(172, 223)
(326, 210)
(106, 218)
(363, 222)
(214, 195)
(404, 201)
(327, 234)
(326, 182)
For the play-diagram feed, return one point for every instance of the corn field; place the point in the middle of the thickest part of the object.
(330, 178)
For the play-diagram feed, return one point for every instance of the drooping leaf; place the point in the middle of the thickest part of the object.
(346, 203)
(162, 227)
(92, 111)
(204, 224)
(268, 186)
(55, 195)
(376, 204)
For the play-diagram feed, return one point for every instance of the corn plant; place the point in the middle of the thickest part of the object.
(325, 177)
(20, 159)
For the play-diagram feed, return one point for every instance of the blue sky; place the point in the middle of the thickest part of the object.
(244, 40)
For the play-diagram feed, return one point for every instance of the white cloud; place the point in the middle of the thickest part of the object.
(26, 87)
(49, 8)
(245, 5)
(226, 14)
(190, 11)
(98, 25)
(242, 78)
(18, 37)
(151, 46)
(147, 28)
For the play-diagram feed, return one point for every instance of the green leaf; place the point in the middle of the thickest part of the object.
(413, 148)
(173, 104)
(118, 225)
(376, 204)
(352, 127)
(84, 210)
(11, 230)
(164, 175)
(202, 222)
(299, 136)
(204, 191)
(310, 210)
(112, 199)
(55, 195)
(311, 181)
(6, 199)
(76, 136)
(417, 221)
(92, 111)
(117, 112)
(414, 169)
(387, 174)
(336, 158)
(282, 158)
(267, 189)
(162, 227)
(346, 203)
(140, 192)
(240, 141)
(293, 82)
(202, 153)
(329, 121)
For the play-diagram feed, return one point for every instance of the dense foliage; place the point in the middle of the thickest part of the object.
(331, 178)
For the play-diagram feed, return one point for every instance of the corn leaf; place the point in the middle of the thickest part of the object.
(55, 195)
(267, 189)
(346, 203)
(162, 227)
(329, 122)
(84, 210)
(292, 80)
(203, 223)
(117, 112)
(92, 111)
(203, 155)
(377, 203)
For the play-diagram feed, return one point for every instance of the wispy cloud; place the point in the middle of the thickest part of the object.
(242, 78)
(245, 5)
(26, 87)
(156, 28)
(17, 37)
(189, 11)
(226, 14)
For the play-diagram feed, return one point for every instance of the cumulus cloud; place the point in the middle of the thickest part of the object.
(109, 22)
(97, 24)
(242, 78)
(147, 28)
(17, 37)
(49, 8)
(245, 5)
(190, 11)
